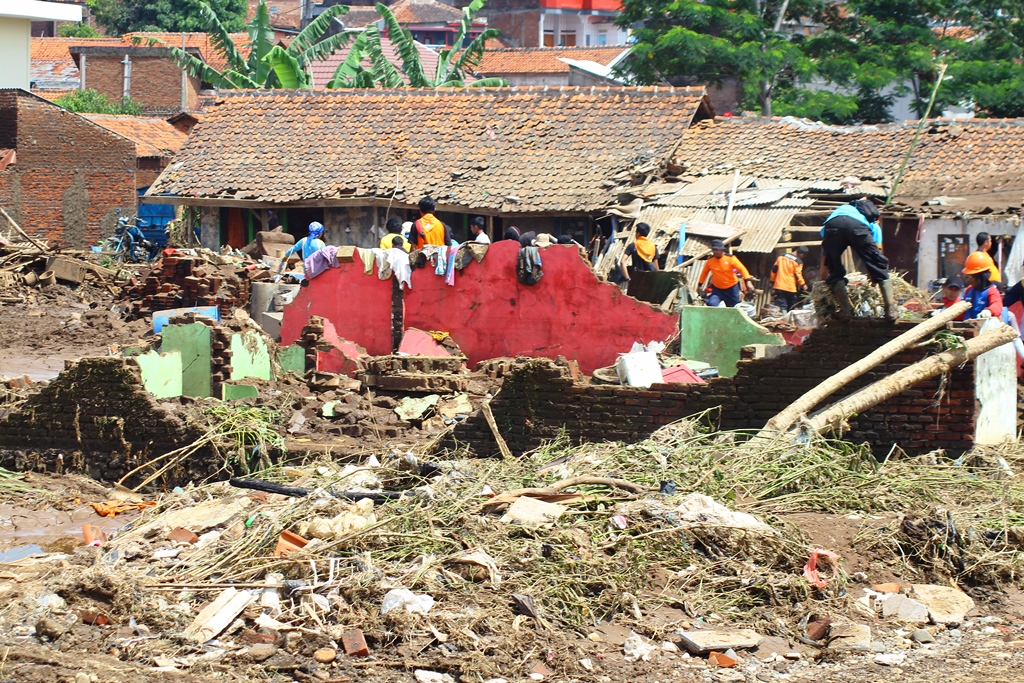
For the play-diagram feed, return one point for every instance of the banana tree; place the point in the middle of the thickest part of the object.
(267, 65)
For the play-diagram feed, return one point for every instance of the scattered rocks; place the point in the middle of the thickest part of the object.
(922, 636)
(891, 659)
(50, 629)
(855, 637)
(946, 606)
(325, 655)
(260, 652)
(703, 642)
(904, 609)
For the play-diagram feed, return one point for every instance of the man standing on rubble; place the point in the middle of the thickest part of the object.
(642, 255)
(788, 278)
(729, 277)
(307, 246)
(855, 226)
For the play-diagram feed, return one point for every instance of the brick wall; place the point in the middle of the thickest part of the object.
(518, 25)
(539, 399)
(71, 175)
(96, 417)
(155, 79)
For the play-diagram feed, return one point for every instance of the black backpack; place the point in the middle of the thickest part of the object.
(867, 209)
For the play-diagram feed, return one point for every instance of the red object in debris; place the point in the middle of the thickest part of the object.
(182, 535)
(289, 543)
(811, 568)
(93, 535)
(170, 252)
(722, 660)
(92, 618)
(420, 343)
(354, 643)
(680, 374)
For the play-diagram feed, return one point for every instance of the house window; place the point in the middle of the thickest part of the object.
(586, 40)
(549, 38)
(953, 252)
(568, 39)
(602, 38)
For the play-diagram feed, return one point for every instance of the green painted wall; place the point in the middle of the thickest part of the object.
(236, 391)
(161, 373)
(192, 341)
(716, 335)
(292, 359)
(249, 356)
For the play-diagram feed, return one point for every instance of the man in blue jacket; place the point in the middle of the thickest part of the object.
(855, 225)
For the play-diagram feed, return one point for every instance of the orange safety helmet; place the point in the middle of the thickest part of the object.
(977, 263)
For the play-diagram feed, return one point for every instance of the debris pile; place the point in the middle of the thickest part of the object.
(187, 278)
(867, 298)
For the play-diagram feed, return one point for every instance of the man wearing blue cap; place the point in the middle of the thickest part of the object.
(307, 246)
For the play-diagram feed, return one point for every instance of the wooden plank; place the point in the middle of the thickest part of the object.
(489, 416)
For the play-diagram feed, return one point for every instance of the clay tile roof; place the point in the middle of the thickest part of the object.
(360, 17)
(283, 13)
(410, 12)
(323, 71)
(195, 41)
(153, 137)
(536, 60)
(951, 158)
(513, 149)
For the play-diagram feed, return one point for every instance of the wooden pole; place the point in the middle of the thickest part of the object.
(22, 232)
(784, 420)
(489, 416)
(831, 418)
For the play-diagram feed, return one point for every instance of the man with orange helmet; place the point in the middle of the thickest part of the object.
(981, 294)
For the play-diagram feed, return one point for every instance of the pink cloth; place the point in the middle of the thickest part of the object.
(320, 260)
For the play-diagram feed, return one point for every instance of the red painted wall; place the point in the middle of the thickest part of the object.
(359, 305)
(488, 313)
(569, 312)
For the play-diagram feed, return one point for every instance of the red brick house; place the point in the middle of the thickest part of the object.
(69, 176)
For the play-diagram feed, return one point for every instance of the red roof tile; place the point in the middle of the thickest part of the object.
(537, 60)
(153, 137)
(360, 17)
(951, 157)
(515, 150)
(323, 71)
(283, 13)
(412, 12)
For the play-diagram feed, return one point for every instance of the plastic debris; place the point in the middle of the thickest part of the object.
(403, 597)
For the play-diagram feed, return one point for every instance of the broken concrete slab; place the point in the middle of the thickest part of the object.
(904, 609)
(218, 615)
(704, 641)
(856, 637)
(457, 405)
(410, 408)
(250, 356)
(161, 373)
(199, 518)
(946, 605)
(532, 512)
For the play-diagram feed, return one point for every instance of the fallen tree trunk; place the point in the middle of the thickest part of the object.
(784, 420)
(873, 394)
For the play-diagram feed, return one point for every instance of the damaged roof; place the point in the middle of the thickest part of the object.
(971, 158)
(413, 12)
(323, 70)
(538, 60)
(511, 149)
(153, 137)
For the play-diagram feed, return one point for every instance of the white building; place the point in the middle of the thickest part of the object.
(16, 17)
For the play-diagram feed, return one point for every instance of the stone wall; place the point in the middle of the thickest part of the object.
(97, 418)
(539, 400)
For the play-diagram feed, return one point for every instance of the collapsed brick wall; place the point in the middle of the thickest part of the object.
(70, 176)
(539, 401)
(97, 418)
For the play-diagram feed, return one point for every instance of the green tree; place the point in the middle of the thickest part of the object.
(77, 30)
(125, 16)
(92, 101)
(709, 41)
(266, 65)
(452, 65)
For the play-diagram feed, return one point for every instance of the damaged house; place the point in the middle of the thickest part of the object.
(542, 159)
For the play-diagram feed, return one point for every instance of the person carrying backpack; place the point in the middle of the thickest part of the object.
(855, 226)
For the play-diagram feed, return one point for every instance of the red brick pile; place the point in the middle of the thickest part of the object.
(182, 281)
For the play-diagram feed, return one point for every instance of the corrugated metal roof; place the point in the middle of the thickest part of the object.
(707, 191)
(763, 226)
(760, 197)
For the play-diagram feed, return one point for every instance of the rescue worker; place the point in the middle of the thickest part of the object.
(984, 242)
(428, 229)
(788, 278)
(981, 294)
(729, 277)
(307, 246)
(642, 255)
(855, 226)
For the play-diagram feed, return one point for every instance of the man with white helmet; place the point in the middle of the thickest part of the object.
(307, 246)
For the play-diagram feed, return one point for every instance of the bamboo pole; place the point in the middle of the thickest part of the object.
(784, 420)
(831, 418)
(23, 233)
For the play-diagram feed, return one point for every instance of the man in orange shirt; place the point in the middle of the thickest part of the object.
(428, 229)
(728, 277)
(984, 242)
(788, 278)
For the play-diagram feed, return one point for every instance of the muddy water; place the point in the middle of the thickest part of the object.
(23, 530)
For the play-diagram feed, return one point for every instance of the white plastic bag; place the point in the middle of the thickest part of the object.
(403, 597)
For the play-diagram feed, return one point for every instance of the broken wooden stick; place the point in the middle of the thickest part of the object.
(784, 420)
(489, 416)
(873, 394)
(511, 496)
(22, 232)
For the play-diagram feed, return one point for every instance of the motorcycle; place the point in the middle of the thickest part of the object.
(128, 244)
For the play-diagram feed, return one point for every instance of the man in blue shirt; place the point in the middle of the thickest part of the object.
(307, 246)
(855, 225)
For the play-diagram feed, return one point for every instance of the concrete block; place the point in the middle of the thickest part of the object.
(161, 373)
(904, 609)
(233, 392)
(192, 341)
(271, 324)
(945, 605)
(855, 637)
(250, 357)
(702, 642)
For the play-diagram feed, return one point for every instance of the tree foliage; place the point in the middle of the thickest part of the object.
(77, 30)
(125, 16)
(855, 58)
(92, 101)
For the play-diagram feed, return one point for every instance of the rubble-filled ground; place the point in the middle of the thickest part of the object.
(591, 563)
